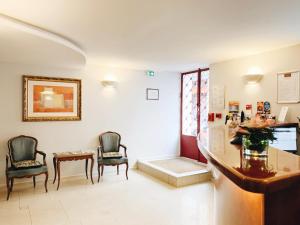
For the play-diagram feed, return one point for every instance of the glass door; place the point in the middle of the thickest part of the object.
(194, 111)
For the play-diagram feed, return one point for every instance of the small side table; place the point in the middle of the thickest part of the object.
(72, 156)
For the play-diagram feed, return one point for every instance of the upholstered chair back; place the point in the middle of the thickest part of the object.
(22, 148)
(110, 141)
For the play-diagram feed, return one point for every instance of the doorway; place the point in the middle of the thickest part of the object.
(194, 111)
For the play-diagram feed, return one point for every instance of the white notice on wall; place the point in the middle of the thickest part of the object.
(218, 98)
(282, 114)
(288, 87)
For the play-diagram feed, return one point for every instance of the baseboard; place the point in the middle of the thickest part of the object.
(40, 178)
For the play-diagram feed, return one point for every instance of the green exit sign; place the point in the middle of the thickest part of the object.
(150, 73)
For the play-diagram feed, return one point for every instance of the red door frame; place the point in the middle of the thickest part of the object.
(190, 142)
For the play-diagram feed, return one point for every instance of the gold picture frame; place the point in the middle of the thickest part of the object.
(51, 99)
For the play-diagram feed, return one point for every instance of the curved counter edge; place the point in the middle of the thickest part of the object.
(255, 185)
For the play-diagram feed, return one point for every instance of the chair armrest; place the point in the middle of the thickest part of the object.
(44, 156)
(99, 151)
(125, 149)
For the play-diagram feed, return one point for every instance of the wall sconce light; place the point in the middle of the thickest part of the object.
(253, 76)
(109, 83)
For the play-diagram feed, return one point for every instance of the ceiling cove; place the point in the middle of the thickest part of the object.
(22, 42)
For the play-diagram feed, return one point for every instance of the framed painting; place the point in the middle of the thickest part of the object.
(152, 94)
(51, 99)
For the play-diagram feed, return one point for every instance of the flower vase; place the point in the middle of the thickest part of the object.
(259, 149)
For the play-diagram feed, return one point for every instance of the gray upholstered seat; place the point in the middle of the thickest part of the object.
(110, 142)
(23, 163)
(19, 173)
(113, 161)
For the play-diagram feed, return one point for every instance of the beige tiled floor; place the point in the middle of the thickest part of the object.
(142, 200)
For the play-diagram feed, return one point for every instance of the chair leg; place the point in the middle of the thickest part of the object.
(86, 168)
(102, 169)
(127, 170)
(55, 169)
(11, 184)
(8, 187)
(98, 173)
(46, 180)
(33, 181)
(117, 169)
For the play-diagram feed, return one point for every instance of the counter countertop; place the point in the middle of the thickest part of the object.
(280, 170)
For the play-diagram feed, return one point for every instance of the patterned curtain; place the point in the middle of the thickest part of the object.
(189, 104)
(204, 101)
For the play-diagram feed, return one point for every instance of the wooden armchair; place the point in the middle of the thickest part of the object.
(109, 152)
(21, 161)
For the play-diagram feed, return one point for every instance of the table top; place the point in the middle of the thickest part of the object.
(73, 154)
(278, 171)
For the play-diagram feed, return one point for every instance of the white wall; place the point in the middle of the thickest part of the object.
(150, 129)
(230, 73)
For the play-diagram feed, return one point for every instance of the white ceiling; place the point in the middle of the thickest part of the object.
(164, 34)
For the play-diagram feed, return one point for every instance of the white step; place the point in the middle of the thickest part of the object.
(178, 172)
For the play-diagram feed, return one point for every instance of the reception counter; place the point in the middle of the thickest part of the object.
(248, 190)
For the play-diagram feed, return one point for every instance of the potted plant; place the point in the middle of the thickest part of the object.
(256, 140)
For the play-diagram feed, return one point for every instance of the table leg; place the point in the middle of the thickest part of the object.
(55, 170)
(86, 168)
(92, 165)
(58, 173)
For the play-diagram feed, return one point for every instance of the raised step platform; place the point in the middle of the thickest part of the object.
(178, 172)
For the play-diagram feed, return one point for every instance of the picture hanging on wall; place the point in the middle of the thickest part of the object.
(267, 107)
(152, 94)
(233, 106)
(288, 87)
(260, 107)
(51, 99)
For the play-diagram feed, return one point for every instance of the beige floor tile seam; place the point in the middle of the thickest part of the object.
(19, 200)
(26, 208)
(30, 218)
(66, 213)
(64, 210)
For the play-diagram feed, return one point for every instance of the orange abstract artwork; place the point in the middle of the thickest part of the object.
(53, 99)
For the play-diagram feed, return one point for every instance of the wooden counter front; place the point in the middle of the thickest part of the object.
(256, 191)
